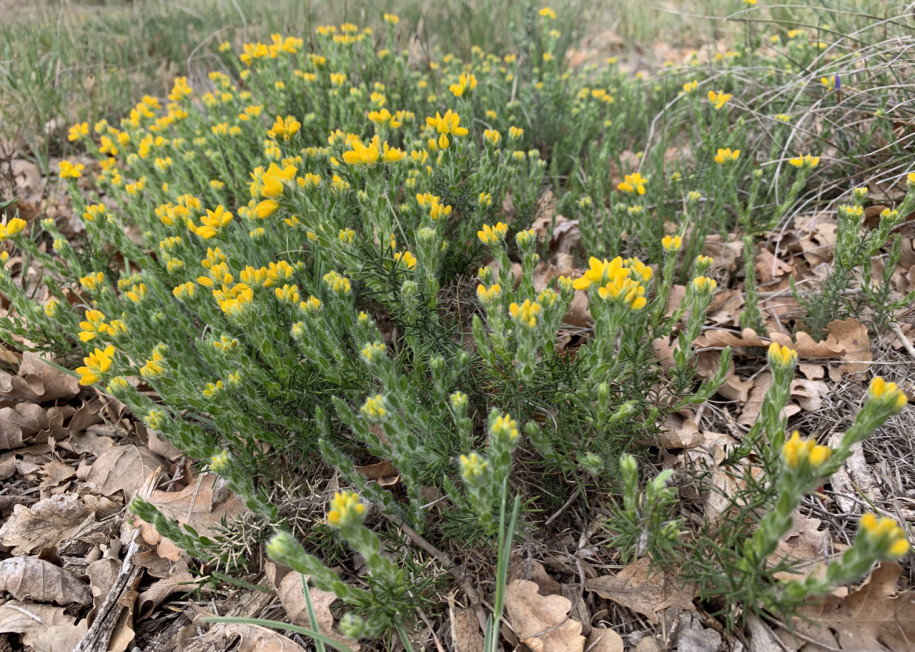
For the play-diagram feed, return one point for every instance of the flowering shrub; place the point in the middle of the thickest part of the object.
(276, 262)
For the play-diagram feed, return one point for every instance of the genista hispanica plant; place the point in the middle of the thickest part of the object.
(269, 284)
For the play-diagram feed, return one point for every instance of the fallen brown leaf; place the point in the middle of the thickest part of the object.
(806, 545)
(39, 580)
(18, 617)
(20, 425)
(851, 335)
(38, 382)
(123, 468)
(52, 520)
(292, 597)
(254, 638)
(465, 629)
(873, 617)
(202, 506)
(602, 639)
(542, 622)
(178, 580)
(644, 591)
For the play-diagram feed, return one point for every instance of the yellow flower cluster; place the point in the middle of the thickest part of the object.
(805, 161)
(718, 99)
(526, 314)
(886, 534)
(473, 466)
(611, 274)
(346, 509)
(726, 155)
(12, 228)
(782, 356)
(887, 394)
(95, 325)
(633, 183)
(96, 365)
(370, 154)
(796, 451)
(374, 408)
(671, 243)
(491, 235)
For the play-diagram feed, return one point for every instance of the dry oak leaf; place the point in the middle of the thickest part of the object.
(542, 622)
(51, 521)
(806, 545)
(38, 381)
(602, 639)
(21, 425)
(254, 638)
(465, 629)
(41, 581)
(179, 580)
(292, 597)
(644, 591)
(806, 346)
(21, 617)
(852, 336)
(207, 503)
(57, 638)
(123, 468)
(873, 617)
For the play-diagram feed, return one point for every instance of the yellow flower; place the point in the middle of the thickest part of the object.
(473, 466)
(633, 183)
(346, 509)
(690, 87)
(92, 282)
(77, 131)
(623, 289)
(805, 161)
(491, 235)
(525, 314)
(796, 451)
(465, 83)
(373, 351)
(284, 129)
(70, 171)
(374, 408)
(782, 356)
(488, 296)
(391, 19)
(672, 243)
(12, 228)
(213, 222)
(885, 534)
(266, 208)
(505, 427)
(288, 293)
(339, 284)
(718, 99)
(888, 394)
(704, 284)
(93, 325)
(450, 123)
(97, 363)
(726, 155)
(153, 366)
(408, 259)
(548, 13)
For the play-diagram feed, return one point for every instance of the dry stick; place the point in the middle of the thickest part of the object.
(903, 339)
(559, 512)
(99, 634)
